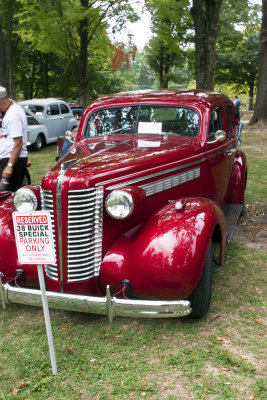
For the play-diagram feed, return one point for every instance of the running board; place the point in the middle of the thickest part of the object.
(232, 213)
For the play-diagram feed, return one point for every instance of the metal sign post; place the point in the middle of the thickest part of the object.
(47, 320)
(35, 245)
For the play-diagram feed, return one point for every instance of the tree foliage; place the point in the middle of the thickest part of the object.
(237, 46)
(170, 24)
(74, 29)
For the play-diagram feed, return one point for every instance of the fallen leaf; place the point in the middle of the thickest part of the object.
(131, 396)
(67, 348)
(144, 382)
(64, 328)
(92, 360)
(251, 397)
(258, 320)
(221, 339)
(223, 368)
(15, 391)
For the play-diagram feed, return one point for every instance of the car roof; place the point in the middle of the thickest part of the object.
(42, 101)
(189, 96)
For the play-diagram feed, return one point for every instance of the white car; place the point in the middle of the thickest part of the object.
(35, 131)
(52, 114)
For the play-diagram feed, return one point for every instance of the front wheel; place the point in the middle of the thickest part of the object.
(200, 298)
(39, 143)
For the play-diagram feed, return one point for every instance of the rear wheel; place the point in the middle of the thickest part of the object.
(39, 143)
(200, 298)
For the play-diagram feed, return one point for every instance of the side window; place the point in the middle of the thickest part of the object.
(215, 123)
(53, 109)
(64, 109)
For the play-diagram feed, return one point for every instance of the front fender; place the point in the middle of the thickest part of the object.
(164, 258)
(8, 250)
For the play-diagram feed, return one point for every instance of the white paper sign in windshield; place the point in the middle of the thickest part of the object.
(150, 127)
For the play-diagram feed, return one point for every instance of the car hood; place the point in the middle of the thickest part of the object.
(100, 160)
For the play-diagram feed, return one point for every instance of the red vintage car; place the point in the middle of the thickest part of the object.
(154, 180)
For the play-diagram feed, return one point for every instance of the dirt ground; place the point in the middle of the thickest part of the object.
(252, 225)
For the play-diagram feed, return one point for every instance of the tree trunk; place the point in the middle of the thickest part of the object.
(82, 68)
(6, 47)
(205, 14)
(260, 112)
(251, 95)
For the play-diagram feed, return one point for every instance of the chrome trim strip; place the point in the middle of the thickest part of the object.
(167, 171)
(110, 306)
(59, 223)
(171, 181)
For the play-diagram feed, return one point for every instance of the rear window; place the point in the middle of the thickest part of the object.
(64, 109)
(144, 119)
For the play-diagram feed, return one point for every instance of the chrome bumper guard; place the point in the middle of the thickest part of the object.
(108, 305)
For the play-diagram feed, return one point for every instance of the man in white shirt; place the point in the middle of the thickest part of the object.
(13, 141)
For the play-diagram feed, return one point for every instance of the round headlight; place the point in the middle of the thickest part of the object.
(119, 204)
(25, 200)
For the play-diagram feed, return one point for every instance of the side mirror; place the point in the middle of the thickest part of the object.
(219, 136)
(68, 135)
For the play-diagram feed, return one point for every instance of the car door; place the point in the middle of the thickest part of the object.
(66, 114)
(54, 123)
(218, 160)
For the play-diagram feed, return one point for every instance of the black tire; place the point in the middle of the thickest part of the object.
(26, 179)
(200, 298)
(39, 143)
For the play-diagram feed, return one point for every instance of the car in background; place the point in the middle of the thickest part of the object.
(76, 110)
(54, 114)
(35, 131)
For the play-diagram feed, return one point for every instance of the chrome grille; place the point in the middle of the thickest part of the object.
(84, 236)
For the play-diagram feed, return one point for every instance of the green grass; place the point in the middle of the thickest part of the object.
(220, 357)
(41, 161)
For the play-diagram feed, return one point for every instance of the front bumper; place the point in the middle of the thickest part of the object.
(108, 305)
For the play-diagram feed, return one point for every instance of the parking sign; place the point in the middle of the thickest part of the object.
(34, 239)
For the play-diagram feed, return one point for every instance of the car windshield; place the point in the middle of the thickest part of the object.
(144, 119)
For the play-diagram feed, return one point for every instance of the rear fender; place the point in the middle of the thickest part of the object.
(238, 179)
(164, 258)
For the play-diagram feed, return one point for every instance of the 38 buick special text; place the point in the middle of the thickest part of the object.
(154, 180)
